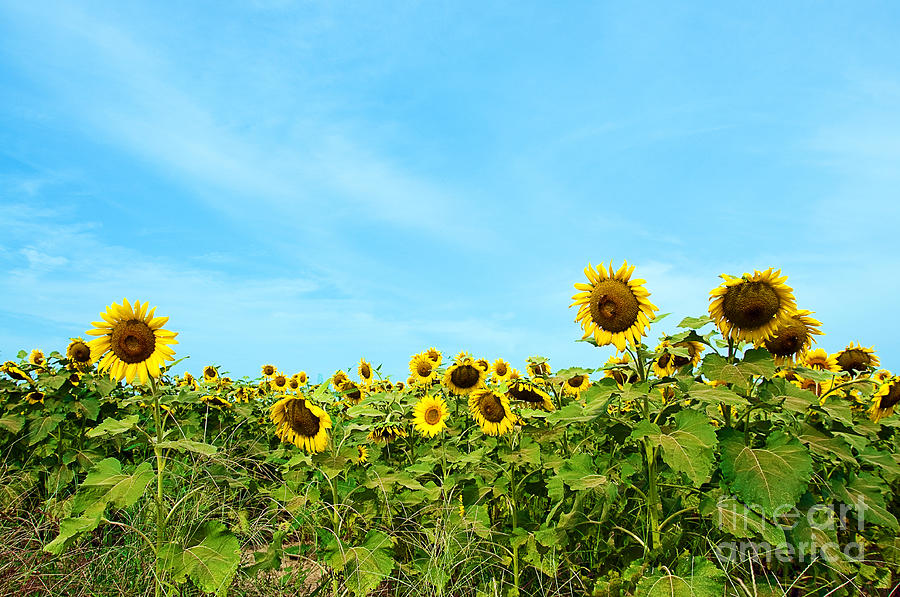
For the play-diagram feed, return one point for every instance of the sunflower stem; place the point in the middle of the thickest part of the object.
(160, 471)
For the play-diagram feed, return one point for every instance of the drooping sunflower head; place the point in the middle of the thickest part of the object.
(751, 308)
(483, 364)
(422, 370)
(434, 355)
(365, 371)
(386, 433)
(695, 350)
(820, 360)
(210, 373)
(78, 353)
(216, 401)
(664, 363)
(429, 416)
(300, 422)
(532, 395)
(13, 370)
(353, 392)
(537, 367)
(491, 411)
(501, 370)
(463, 377)
(885, 400)
(793, 337)
(362, 454)
(576, 384)
(36, 358)
(338, 379)
(856, 358)
(131, 342)
(187, 380)
(881, 376)
(301, 378)
(398, 387)
(35, 397)
(613, 308)
(617, 367)
(268, 370)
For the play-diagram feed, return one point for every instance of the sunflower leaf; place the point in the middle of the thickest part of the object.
(695, 323)
(70, 529)
(365, 566)
(186, 445)
(269, 559)
(771, 478)
(579, 473)
(113, 426)
(106, 484)
(688, 448)
(866, 493)
(42, 427)
(13, 423)
(738, 519)
(210, 556)
(694, 578)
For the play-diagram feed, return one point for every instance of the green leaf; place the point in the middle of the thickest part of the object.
(757, 362)
(865, 495)
(106, 484)
(694, 578)
(367, 565)
(572, 413)
(13, 423)
(89, 408)
(113, 426)
(186, 445)
(269, 559)
(717, 368)
(824, 445)
(210, 556)
(705, 393)
(578, 472)
(738, 519)
(695, 323)
(70, 529)
(41, 428)
(815, 534)
(688, 448)
(773, 477)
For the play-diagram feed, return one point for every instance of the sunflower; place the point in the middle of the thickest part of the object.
(483, 364)
(353, 392)
(338, 379)
(36, 358)
(613, 307)
(15, 372)
(301, 378)
(793, 337)
(537, 368)
(210, 373)
(430, 414)
(616, 368)
(78, 353)
(885, 399)
(386, 433)
(131, 342)
(695, 349)
(501, 370)
(464, 376)
(35, 397)
(423, 370)
(820, 360)
(434, 355)
(216, 400)
(857, 358)
(300, 422)
(279, 382)
(576, 384)
(664, 364)
(293, 384)
(74, 378)
(365, 371)
(362, 454)
(531, 394)
(881, 376)
(186, 380)
(752, 308)
(268, 370)
(491, 411)
(399, 386)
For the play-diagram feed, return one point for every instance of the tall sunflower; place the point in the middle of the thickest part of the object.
(422, 369)
(430, 415)
(793, 337)
(464, 376)
(36, 358)
(365, 371)
(856, 358)
(613, 307)
(15, 372)
(752, 308)
(491, 411)
(576, 384)
(664, 364)
(885, 400)
(131, 342)
(78, 353)
(279, 382)
(820, 360)
(531, 394)
(501, 370)
(300, 422)
(338, 379)
(268, 370)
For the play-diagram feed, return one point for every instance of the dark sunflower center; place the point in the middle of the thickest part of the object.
(576, 381)
(423, 368)
(613, 306)
(365, 371)
(465, 376)
(301, 419)
(788, 340)
(81, 352)
(280, 380)
(132, 341)
(294, 384)
(817, 363)
(750, 305)
(352, 392)
(301, 379)
(663, 361)
(209, 372)
(501, 369)
(491, 408)
(854, 360)
(432, 415)
(892, 398)
(268, 370)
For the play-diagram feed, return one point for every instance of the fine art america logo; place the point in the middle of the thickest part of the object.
(796, 536)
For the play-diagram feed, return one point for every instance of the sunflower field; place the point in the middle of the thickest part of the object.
(731, 458)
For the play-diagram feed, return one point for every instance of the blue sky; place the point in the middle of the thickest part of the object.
(310, 183)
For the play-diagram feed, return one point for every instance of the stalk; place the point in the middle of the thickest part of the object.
(160, 471)
(652, 498)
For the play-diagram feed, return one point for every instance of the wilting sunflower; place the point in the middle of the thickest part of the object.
(434, 355)
(386, 433)
(615, 368)
(300, 422)
(483, 364)
(613, 308)
(752, 308)
(856, 358)
(576, 384)
(131, 342)
(491, 411)
(36, 358)
(500, 370)
(362, 454)
(365, 371)
(793, 337)
(301, 378)
(537, 368)
(35, 397)
(664, 364)
(279, 382)
(216, 400)
(885, 400)
(820, 360)
(353, 392)
(15, 372)
(268, 370)
(531, 394)
(78, 353)
(210, 373)
(464, 376)
(423, 369)
(430, 414)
